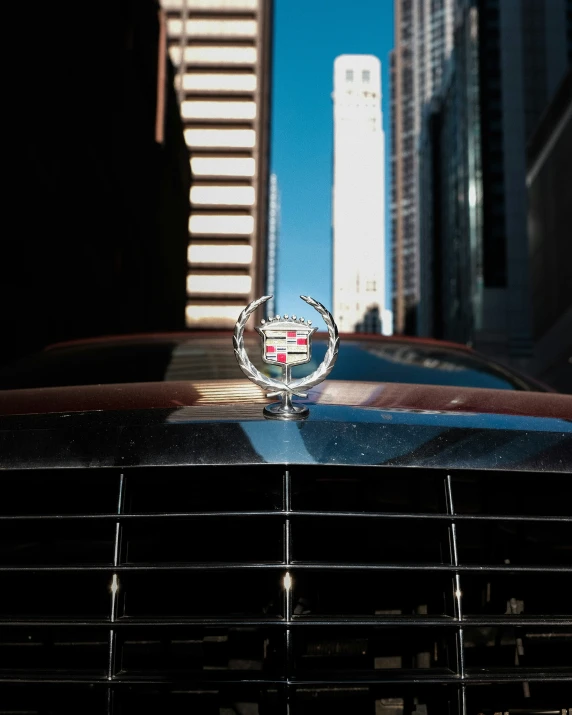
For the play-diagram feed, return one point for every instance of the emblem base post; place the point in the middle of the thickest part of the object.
(280, 411)
(286, 410)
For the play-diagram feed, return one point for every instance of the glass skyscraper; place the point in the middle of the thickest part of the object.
(423, 43)
(508, 60)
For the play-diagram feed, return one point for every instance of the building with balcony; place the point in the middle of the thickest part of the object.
(221, 50)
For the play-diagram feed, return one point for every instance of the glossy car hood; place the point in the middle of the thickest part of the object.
(222, 398)
(216, 423)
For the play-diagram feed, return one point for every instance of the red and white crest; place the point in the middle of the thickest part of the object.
(286, 342)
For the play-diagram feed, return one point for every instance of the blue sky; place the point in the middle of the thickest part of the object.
(308, 36)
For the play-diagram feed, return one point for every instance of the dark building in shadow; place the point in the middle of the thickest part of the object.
(476, 277)
(371, 322)
(549, 232)
(98, 176)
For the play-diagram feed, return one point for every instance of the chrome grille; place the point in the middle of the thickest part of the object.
(265, 589)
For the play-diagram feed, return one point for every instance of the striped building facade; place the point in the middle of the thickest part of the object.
(221, 50)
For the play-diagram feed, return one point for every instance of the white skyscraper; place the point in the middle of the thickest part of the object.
(272, 247)
(358, 196)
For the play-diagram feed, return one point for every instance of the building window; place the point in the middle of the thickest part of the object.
(222, 166)
(214, 55)
(222, 195)
(365, 75)
(371, 285)
(212, 224)
(223, 82)
(222, 284)
(219, 254)
(218, 110)
(235, 138)
(349, 75)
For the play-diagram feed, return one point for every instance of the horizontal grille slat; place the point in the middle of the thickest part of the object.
(207, 566)
(280, 515)
(206, 681)
(492, 676)
(299, 621)
(321, 587)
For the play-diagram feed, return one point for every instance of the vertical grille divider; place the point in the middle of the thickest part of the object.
(457, 593)
(287, 584)
(114, 588)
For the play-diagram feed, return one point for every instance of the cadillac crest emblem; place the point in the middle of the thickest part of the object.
(286, 341)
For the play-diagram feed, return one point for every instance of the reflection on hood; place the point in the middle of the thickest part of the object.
(406, 355)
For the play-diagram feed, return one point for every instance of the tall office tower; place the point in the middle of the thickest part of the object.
(423, 43)
(222, 53)
(358, 195)
(272, 248)
(509, 58)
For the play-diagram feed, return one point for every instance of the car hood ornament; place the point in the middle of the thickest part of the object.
(287, 341)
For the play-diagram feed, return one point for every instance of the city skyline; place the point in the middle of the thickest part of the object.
(303, 157)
